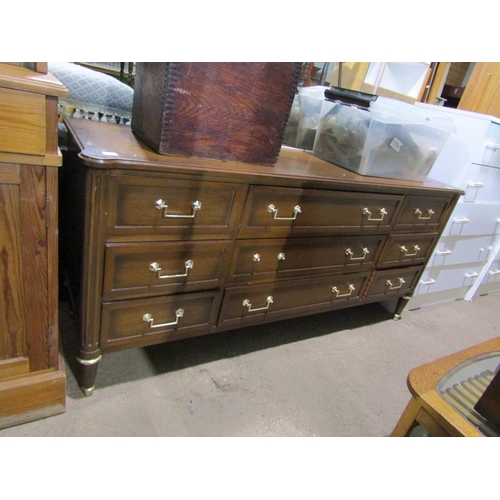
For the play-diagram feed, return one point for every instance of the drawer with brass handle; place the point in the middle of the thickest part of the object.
(407, 249)
(268, 259)
(128, 323)
(146, 269)
(284, 211)
(175, 208)
(267, 302)
(423, 213)
(393, 282)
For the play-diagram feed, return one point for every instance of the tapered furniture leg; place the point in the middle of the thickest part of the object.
(402, 303)
(88, 372)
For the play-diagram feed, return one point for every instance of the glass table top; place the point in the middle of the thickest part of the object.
(464, 385)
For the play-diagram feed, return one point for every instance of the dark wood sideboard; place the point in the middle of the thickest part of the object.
(160, 248)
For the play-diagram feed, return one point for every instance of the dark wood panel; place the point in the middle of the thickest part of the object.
(229, 111)
(183, 209)
(409, 249)
(170, 318)
(269, 259)
(135, 270)
(274, 301)
(423, 213)
(280, 212)
(386, 284)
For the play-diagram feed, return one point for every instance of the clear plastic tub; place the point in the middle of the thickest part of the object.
(304, 117)
(392, 139)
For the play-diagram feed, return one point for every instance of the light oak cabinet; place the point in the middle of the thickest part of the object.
(32, 378)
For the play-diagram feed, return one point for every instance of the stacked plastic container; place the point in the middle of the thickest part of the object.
(389, 139)
(304, 117)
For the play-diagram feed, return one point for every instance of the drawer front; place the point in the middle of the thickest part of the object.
(135, 270)
(447, 278)
(454, 250)
(481, 184)
(393, 282)
(407, 249)
(286, 211)
(180, 209)
(23, 127)
(488, 152)
(261, 260)
(140, 322)
(473, 219)
(267, 302)
(423, 213)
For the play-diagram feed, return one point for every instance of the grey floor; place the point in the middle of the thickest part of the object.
(336, 374)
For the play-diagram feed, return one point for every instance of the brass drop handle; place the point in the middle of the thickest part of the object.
(383, 213)
(420, 214)
(155, 268)
(161, 205)
(273, 210)
(395, 287)
(256, 258)
(337, 293)
(247, 303)
(149, 319)
(350, 253)
(281, 256)
(404, 250)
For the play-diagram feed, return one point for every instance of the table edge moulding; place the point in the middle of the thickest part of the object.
(160, 248)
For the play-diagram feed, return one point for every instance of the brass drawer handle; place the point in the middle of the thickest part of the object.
(395, 287)
(256, 257)
(351, 253)
(273, 210)
(281, 256)
(337, 293)
(161, 205)
(155, 268)
(419, 212)
(383, 213)
(404, 250)
(149, 319)
(247, 303)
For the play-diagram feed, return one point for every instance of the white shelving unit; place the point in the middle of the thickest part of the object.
(403, 78)
(466, 261)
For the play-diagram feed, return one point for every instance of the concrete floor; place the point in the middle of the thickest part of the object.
(335, 374)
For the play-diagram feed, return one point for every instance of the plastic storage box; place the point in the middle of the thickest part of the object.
(304, 117)
(391, 139)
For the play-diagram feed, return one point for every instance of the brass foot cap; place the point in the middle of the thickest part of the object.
(88, 392)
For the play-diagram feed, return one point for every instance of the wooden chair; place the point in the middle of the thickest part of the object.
(446, 391)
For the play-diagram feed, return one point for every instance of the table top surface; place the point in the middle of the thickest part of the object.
(107, 145)
(429, 383)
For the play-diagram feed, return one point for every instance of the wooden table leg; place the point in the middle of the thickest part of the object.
(407, 420)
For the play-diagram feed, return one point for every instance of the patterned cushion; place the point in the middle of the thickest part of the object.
(93, 87)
